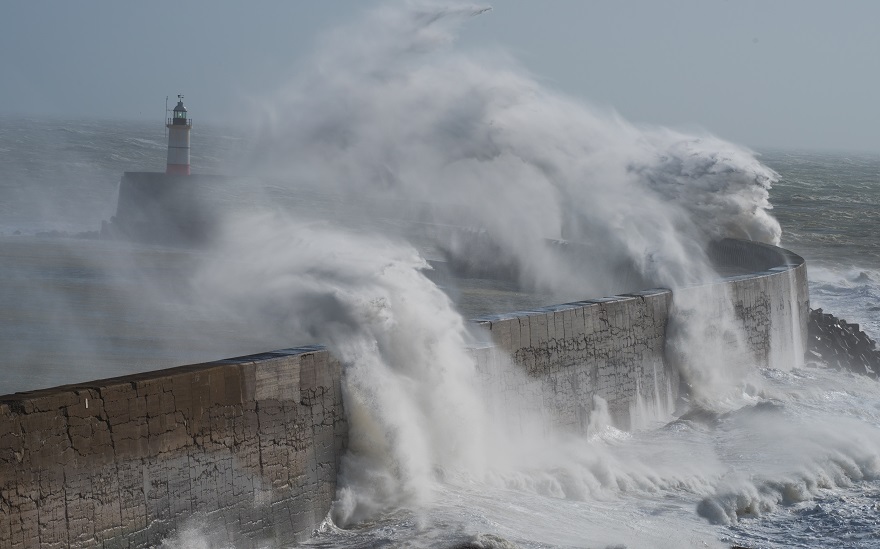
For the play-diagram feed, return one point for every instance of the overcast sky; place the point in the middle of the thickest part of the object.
(794, 73)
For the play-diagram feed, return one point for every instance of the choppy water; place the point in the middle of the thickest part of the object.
(829, 206)
(799, 461)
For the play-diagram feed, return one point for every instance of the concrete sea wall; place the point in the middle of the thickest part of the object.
(615, 347)
(612, 348)
(253, 444)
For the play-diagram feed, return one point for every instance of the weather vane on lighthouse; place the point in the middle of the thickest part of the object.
(178, 140)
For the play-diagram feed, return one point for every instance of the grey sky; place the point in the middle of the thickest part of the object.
(761, 73)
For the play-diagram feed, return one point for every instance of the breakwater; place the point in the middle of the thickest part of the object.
(253, 444)
(170, 209)
(842, 345)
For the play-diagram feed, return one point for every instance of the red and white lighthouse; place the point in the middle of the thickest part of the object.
(178, 140)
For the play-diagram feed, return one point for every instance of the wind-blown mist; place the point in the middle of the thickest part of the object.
(408, 381)
(388, 108)
(425, 420)
(420, 413)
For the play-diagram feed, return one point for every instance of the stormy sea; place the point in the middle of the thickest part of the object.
(330, 195)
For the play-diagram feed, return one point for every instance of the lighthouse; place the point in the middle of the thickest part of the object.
(178, 140)
(174, 207)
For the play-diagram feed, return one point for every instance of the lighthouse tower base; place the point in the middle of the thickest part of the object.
(167, 209)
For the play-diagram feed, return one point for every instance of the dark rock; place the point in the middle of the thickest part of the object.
(842, 345)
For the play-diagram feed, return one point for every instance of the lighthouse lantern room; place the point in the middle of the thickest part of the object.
(178, 140)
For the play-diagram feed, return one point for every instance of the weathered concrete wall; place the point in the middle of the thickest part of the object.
(611, 347)
(615, 348)
(253, 444)
(772, 302)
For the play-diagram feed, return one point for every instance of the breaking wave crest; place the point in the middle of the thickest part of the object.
(388, 108)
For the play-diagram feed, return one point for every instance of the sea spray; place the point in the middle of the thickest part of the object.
(391, 112)
(388, 109)
(426, 422)
(409, 384)
(801, 458)
(707, 343)
(419, 410)
(833, 515)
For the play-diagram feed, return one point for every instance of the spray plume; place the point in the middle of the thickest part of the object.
(387, 109)
(387, 112)
(420, 411)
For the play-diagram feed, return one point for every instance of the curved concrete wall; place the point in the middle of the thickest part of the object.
(253, 444)
(615, 347)
(772, 302)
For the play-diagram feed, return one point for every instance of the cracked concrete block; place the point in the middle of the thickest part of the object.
(515, 336)
(279, 378)
(524, 332)
(539, 330)
(550, 329)
(567, 324)
(501, 334)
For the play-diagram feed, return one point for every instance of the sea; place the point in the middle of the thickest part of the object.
(795, 464)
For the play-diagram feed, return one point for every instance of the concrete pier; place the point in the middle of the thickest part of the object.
(253, 444)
